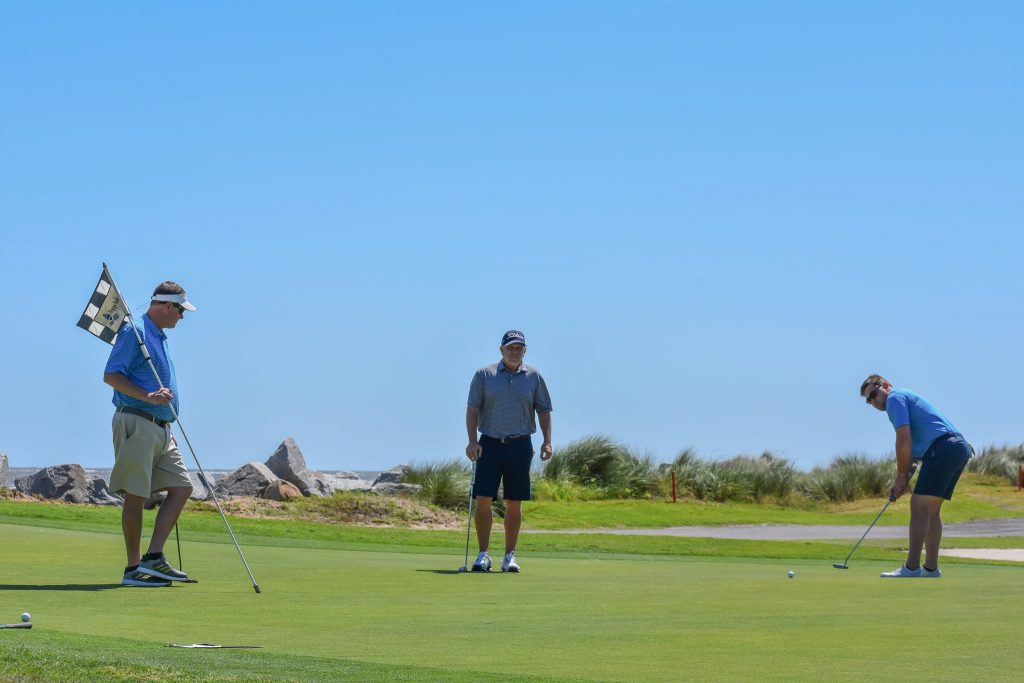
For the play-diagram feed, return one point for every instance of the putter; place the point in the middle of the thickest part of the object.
(469, 517)
(846, 563)
(24, 624)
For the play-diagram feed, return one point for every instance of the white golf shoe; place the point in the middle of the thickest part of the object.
(483, 562)
(508, 564)
(904, 573)
(929, 574)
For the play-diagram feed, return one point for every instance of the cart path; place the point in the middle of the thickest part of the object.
(801, 532)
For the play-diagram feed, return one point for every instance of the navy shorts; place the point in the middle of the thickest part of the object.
(942, 465)
(504, 462)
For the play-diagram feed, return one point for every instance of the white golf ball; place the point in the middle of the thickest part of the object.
(25, 616)
(791, 574)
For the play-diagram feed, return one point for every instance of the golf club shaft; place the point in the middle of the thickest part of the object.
(877, 517)
(24, 624)
(469, 514)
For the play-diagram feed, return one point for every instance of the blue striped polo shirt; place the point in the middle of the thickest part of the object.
(126, 358)
(507, 401)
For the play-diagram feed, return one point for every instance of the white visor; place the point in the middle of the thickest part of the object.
(175, 299)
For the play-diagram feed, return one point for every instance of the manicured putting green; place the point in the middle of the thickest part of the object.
(407, 616)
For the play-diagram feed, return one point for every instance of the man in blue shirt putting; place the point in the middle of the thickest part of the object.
(923, 435)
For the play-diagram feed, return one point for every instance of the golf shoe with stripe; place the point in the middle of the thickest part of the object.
(136, 578)
(162, 569)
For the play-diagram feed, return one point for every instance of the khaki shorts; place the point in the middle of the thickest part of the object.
(146, 457)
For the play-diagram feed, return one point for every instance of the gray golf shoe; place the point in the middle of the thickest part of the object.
(138, 579)
(162, 569)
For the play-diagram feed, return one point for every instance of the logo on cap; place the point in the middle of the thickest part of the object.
(513, 337)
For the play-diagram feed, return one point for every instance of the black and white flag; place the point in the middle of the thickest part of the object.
(106, 311)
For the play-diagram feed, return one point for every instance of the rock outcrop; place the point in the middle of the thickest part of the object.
(251, 479)
(67, 483)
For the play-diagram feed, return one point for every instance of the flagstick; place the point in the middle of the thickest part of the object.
(177, 539)
(206, 480)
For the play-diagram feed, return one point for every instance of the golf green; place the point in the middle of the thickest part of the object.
(362, 615)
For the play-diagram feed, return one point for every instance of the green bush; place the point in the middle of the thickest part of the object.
(597, 461)
(998, 461)
(445, 484)
(849, 477)
(739, 478)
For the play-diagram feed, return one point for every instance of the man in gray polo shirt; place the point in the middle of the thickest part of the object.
(503, 398)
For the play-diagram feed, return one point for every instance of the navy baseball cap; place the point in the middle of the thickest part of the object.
(513, 337)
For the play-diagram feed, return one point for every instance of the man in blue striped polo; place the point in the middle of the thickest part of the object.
(146, 456)
(924, 435)
(503, 398)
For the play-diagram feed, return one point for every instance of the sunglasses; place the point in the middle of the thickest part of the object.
(181, 309)
(874, 392)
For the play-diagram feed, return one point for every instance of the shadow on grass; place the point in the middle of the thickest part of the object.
(59, 587)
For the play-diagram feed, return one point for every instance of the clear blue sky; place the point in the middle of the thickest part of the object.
(711, 219)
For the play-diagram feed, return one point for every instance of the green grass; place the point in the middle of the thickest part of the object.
(328, 614)
(366, 604)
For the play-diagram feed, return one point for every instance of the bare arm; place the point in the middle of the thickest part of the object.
(546, 450)
(127, 387)
(904, 460)
(473, 450)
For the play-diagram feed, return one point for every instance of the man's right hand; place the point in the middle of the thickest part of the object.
(160, 397)
(473, 451)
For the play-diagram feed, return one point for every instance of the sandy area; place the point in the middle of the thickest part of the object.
(1007, 554)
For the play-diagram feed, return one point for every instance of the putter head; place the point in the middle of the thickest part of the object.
(839, 565)
(463, 569)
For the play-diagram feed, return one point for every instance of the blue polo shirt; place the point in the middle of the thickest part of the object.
(904, 407)
(507, 401)
(126, 358)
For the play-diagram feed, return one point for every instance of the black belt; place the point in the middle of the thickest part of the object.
(508, 439)
(143, 414)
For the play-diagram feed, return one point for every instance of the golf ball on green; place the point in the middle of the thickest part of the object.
(791, 574)
(25, 616)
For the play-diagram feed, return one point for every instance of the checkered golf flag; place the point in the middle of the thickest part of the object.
(106, 310)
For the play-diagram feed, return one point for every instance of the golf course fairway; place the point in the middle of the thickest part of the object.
(329, 614)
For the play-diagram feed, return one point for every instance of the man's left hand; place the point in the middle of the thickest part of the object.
(899, 487)
(546, 451)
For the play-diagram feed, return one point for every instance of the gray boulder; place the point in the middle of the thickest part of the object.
(392, 476)
(67, 483)
(251, 480)
(200, 488)
(99, 494)
(5, 471)
(288, 463)
(340, 483)
(394, 489)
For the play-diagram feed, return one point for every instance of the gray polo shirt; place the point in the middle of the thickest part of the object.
(507, 401)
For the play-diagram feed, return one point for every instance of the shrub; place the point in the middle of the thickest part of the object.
(849, 477)
(998, 461)
(597, 461)
(445, 484)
